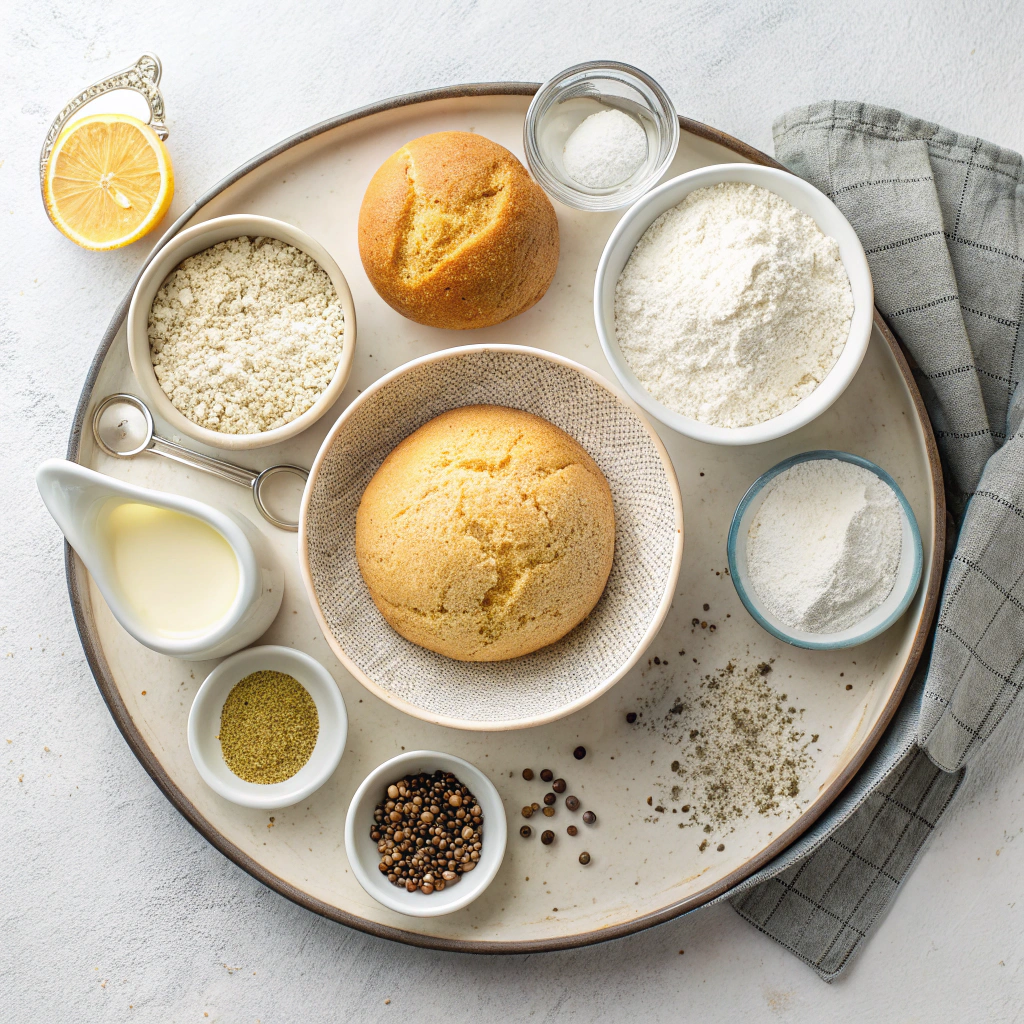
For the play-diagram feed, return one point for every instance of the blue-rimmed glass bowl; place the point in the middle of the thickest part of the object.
(908, 575)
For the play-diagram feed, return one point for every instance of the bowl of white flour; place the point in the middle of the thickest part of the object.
(824, 550)
(734, 303)
(241, 332)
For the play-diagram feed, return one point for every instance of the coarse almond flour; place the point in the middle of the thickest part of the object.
(246, 335)
(733, 306)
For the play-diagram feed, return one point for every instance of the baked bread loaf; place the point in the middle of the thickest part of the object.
(486, 534)
(454, 233)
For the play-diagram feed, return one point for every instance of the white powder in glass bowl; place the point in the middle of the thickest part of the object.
(733, 306)
(605, 149)
(246, 335)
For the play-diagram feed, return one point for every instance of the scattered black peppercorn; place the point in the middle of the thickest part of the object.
(572, 830)
(572, 802)
(631, 717)
(721, 847)
(660, 809)
(526, 831)
(579, 753)
(547, 838)
(558, 785)
(589, 817)
(707, 607)
(584, 857)
(549, 798)
(686, 807)
(527, 774)
(547, 774)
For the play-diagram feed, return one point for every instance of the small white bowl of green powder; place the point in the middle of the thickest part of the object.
(267, 727)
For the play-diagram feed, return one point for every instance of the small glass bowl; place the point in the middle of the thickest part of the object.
(908, 575)
(565, 100)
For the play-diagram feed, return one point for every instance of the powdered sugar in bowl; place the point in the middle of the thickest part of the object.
(232, 380)
(860, 560)
(598, 135)
(757, 268)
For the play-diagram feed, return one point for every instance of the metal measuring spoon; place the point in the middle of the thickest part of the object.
(123, 428)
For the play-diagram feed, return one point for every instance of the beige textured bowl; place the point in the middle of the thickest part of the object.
(188, 243)
(558, 679)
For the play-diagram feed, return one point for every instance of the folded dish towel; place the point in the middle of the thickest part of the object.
(941, 216)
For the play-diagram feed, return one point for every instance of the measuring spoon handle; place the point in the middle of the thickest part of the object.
(225, 470)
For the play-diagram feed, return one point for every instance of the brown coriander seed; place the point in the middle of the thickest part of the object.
(527, 812)
(421, 854)
(572, 802)
(589, 817)
(549, 812)
(572, 830)
(584, 857)
(535, 806)
(528, 774)
(547, 774)
(526, 831)
(549, 798)
(579, 753)
(547, 838)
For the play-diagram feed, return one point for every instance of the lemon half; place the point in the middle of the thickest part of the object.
(108, 181)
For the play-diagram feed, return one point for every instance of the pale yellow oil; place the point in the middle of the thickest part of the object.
(179, 575)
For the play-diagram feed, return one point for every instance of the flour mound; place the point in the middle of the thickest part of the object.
(733, 306)
(823, 549)
(246, 335)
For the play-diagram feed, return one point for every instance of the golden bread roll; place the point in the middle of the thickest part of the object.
(486, 534)
(454, 233)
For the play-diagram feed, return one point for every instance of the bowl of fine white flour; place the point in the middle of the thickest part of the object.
(241, 332)
(734, 303)
(824, 550)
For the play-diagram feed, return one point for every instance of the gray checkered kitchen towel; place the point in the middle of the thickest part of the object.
(941, 217)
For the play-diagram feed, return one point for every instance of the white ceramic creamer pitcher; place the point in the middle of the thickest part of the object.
(83, 504)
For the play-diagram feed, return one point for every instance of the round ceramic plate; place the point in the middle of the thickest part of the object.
(647, 865)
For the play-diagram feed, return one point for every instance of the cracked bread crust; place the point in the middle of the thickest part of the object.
(454, 233)
(486, 534)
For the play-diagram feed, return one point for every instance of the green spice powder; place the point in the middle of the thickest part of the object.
(268, 727)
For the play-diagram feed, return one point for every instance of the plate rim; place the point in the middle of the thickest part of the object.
(77, 581)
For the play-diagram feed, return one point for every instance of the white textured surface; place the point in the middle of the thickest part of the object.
(108, 899)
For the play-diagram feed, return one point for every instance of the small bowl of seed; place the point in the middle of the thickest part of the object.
(425, 833)
(267, 727)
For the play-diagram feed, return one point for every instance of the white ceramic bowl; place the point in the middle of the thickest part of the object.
(562, 677)
(806, 198)
(908, 575)
(204, 726)
(362, 850)
(188, 243)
